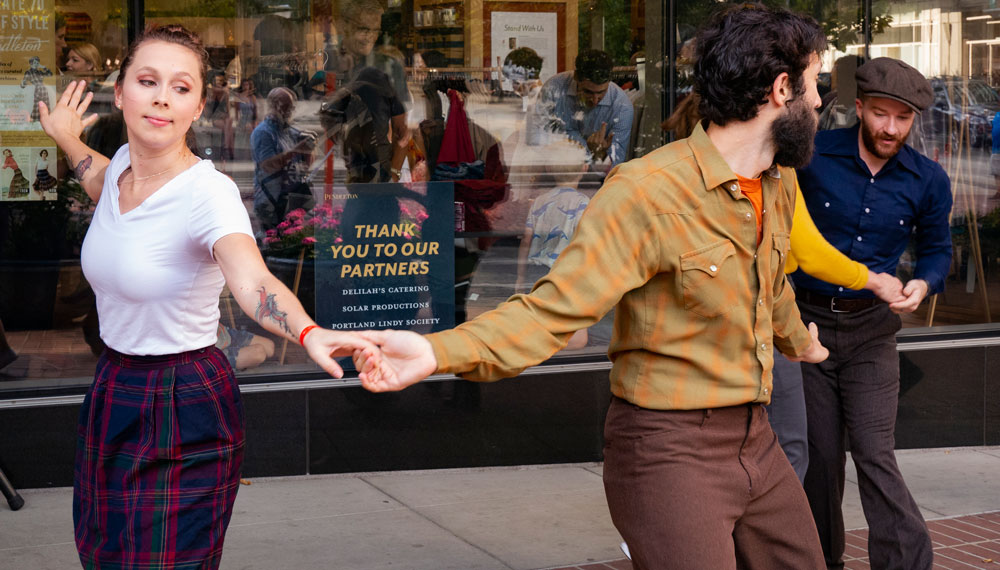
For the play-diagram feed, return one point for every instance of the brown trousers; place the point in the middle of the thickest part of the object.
(705, 490)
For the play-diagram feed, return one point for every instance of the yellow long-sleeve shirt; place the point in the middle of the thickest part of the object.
(813, 254)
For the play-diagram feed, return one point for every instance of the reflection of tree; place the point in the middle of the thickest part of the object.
(843, 24)
(617, 27)
(841, 21)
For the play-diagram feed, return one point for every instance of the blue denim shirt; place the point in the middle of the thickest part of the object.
(559, 111)
(871, 218)
(996, 133)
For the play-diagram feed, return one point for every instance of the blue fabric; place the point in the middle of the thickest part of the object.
(996, 133)
(870, 219)
(462, 171)
(268, 139)
(560, 111)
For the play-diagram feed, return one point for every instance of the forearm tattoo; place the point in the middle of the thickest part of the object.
(83, 166)
(267, 308)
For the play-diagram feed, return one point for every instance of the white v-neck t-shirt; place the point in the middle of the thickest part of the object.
(152, 270)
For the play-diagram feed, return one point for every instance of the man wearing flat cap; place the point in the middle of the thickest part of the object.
(868, 191)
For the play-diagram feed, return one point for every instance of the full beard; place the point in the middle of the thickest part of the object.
(870, 139)
(793, 134)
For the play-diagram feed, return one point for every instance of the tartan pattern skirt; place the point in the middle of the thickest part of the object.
(159, 451)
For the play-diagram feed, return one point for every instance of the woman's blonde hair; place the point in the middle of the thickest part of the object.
(89, 54)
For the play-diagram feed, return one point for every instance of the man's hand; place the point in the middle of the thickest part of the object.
(913, 293)
(599, 142)
(816, 352)
(406, 358)
(886, 287)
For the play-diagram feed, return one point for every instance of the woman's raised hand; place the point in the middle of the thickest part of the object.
(66, 119)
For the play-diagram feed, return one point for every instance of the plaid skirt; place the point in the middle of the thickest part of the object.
(159, 451)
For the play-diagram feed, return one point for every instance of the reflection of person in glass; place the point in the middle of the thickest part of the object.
(362, 117)
(359, 117)
(522, 67)
(217, 112)
(35, 76)
(83, 58)
(360, 24)
(281, 161)
(161, 437)
(44, 181)
(18, 187)
(586, 105)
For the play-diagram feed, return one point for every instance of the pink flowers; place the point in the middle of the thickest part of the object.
(298, 230)
(302, 229)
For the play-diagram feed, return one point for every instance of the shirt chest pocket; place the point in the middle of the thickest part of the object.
(780, 244)
(893, 228)
(709, 278)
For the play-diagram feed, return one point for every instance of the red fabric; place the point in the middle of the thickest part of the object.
(456, 145)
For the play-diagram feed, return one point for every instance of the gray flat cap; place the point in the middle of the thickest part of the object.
(891, 78)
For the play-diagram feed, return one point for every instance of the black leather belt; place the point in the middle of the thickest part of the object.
(835, 304)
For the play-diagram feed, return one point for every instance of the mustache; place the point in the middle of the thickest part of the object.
(884, 135)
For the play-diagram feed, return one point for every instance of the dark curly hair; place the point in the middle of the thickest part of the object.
(527, 58)
(593, 65)
(740, 52)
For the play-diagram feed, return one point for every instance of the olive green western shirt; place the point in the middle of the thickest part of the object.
(670, 242)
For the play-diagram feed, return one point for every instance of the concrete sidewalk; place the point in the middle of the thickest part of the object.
(502, 518)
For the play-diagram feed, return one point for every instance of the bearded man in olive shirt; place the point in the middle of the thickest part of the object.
(698, 231)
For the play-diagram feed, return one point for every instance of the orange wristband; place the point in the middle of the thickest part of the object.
(305, 331)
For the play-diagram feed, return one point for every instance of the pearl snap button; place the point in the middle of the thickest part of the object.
(713, 268)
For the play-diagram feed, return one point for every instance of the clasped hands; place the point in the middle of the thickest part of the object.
(901, 299)
(400, 359)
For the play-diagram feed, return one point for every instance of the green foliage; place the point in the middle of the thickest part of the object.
(617, 27)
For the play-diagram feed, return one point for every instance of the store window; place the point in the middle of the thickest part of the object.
(436, 153)
(953, 44)
(46, 307)
(437, 156)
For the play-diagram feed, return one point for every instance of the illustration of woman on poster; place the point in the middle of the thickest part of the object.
(36, 75)
(18, 184)
(44, 181)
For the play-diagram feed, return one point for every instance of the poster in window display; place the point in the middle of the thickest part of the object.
(27, 76)
(385, 258)
(535, 30)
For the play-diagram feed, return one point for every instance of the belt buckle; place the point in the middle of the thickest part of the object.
(833, 306)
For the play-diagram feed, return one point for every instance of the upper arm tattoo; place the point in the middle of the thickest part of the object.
(267, 307)
(83, 166)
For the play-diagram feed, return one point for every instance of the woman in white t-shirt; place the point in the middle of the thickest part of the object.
(160, 440)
